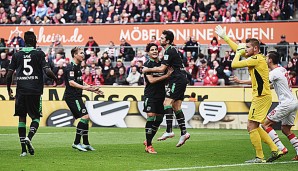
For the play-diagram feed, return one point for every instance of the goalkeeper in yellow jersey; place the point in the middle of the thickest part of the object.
(261, 93)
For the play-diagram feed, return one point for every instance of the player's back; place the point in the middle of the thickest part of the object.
(259, 74)
(279, 78)
(29, 64)
(173, 59)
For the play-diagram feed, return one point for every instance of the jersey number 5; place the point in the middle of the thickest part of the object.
(27, 66)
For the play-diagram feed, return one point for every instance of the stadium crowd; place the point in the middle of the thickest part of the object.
(108, 66)
(26, 12)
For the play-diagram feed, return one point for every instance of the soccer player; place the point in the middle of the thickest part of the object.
(73, 97)
(287, 107)
(154, 95)
(29, 64)
(176, 87)
(261, 93)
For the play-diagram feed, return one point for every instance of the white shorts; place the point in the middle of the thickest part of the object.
(286, 113)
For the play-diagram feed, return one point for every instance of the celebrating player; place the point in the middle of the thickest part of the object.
(176, 85)
(73, 97)
(29, 64)
(262, 99)
(154, 95)
(287, 107)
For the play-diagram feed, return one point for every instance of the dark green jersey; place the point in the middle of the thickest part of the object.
(29, 64)
(173, 59)
(73, 72)
(156, 90)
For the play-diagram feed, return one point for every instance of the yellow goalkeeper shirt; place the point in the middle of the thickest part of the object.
(258, 71)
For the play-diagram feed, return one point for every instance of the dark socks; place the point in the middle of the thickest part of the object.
(181, 121)
(22, 135)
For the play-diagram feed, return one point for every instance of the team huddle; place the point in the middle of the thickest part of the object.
(166, 82)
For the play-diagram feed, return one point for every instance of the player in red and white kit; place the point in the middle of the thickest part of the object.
(287, 108)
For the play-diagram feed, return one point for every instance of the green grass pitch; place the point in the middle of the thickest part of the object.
(122, 149)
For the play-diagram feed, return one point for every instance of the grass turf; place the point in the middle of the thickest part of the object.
(122, 149)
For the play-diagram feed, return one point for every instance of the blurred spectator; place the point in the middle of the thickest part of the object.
(37, 20)
(107, 66)
(121, 77)
(232, 7)
(3, 76)
(98, 79)
(192, 70)
(292, 78)
(2, 45)
(41, 9)
(24, 20)
(2, 13)
(56, 47)
(119, 64)
(91, 45)
(133, 77)
(227, 60)
(111, 77)
(192, 46)
(16, 42)
(140, 66)
(126, 52)
(203, 70)
(92, 59)
(87, 76)
(97, 13)
(177, 14)
(228, 18)
(274, 11)
(290, 66)
(4, 62)
(219, 71)
(199, 6)
(129, 68)
(216, 17)
(165, 14)
(213, 46)
(211, 79)
(139, 57)
(283, 48)
(111, 51)
(58, 60)
(154, 13)
(263, 15)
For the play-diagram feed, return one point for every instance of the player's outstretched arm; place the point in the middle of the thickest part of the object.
(50, 74)
(161, 68)
(222, 34)
(153, 80)
(236, 63)
(237, 80)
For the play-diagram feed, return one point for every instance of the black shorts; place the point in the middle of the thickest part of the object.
(28, 104)
(175, 90)
(77, 107)
(154, 106)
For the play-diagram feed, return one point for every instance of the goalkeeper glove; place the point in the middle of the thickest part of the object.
(221, 32)
(241, 49)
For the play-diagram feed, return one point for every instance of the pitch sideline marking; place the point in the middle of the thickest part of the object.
(218, 166)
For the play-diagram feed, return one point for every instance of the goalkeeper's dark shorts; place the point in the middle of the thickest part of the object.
(77, 107)
(28, 104)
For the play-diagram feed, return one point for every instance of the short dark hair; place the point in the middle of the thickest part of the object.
(75, 50)
(30, 39)
(274, 56)
(254, 42)
(149, 45)
(169, 35)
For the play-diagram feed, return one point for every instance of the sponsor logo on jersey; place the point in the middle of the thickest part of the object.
(71, 73)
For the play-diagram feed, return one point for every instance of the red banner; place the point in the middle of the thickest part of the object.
(141, 34)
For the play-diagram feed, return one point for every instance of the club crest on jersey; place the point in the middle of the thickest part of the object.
(166, 57)
(71, 73)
